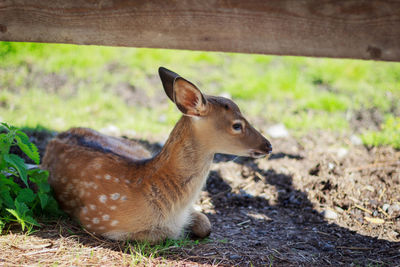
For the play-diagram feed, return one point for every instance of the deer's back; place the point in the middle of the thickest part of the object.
(99, 180)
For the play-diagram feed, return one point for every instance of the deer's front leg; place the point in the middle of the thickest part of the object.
(200, 226)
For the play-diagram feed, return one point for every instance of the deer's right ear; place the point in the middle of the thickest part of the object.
(168, 79)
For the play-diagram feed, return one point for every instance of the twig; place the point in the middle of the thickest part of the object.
(39, 252)
(244, 222)
(381, 195)
(373, 165)
(361, 208)
(383, 212)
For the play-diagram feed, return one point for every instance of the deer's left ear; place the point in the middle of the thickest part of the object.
(188, 98)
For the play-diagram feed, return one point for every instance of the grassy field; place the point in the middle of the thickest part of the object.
(59, 86)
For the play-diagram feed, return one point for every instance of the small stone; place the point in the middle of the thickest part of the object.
(339, 209)
(277, 131)
(342, 152)
(329, 214)
(234, 257)
(393, 208)
(331, 166)
(385, 207)
(355, 140)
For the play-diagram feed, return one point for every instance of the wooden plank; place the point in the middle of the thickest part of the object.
(366, 29)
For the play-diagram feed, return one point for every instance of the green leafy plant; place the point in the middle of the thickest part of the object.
(24, 193)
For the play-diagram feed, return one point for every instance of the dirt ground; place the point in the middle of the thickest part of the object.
(318, 200)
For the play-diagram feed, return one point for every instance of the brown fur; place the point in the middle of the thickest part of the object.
(115, 188)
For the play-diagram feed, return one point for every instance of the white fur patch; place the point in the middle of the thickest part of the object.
(103, 198)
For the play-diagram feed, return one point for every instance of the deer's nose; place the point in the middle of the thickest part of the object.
(267, 147)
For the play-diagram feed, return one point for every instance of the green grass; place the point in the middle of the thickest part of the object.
(143, 252)
(389, 135)
(59, 86)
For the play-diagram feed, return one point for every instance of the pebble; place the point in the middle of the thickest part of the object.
(331, 166)
(234, 257)
(355, 140)
(278, 131)
(329, 214)
(342, 152)
(393, 208)
(385, 207)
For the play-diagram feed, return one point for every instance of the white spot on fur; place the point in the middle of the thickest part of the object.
(127, 181)
(114, 223)
(115, 196)
(124, 198)
(106, 217)
(87, 218)
(96, 220)
(97, 176)
(113, 207)
(103, 198)
(88, 225)
(116, 180)
(84, 210)
(92, 207)
(107, 177)
(102, 228)
(96, 165)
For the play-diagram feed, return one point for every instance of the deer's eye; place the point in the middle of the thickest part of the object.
(237, 127)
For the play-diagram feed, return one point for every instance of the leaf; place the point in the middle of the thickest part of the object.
(2, 224)
(26, 195)
(5, 143)
(19, 165)
(8, 182)
(44, 199)
(27, 147)
(31, 220)
(6, 197)
(17, 216)
(39, 177)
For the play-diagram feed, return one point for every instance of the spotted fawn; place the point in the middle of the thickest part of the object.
(115, 188)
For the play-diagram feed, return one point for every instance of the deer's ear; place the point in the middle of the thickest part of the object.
(183, 93)
(189, 99)
(168, 79)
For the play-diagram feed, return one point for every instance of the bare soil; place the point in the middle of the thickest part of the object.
(318, 200)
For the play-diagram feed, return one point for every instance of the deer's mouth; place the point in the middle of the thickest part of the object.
(259, 154)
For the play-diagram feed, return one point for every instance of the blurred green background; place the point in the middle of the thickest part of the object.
(59, 86)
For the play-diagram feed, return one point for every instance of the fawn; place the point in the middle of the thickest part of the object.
(115, 188)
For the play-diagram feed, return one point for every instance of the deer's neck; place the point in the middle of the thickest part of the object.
(184, 159)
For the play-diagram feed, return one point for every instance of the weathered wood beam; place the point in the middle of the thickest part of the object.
(365, 29)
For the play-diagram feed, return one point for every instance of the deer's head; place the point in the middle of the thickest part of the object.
(217, 121)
